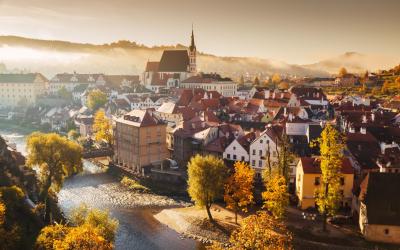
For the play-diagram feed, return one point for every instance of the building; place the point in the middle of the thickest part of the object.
(211, 82)
(347, 80)
(173, 67)
(379, 210)
(21, 89)
(238, 149)
(140, 141)
(70, 81)
(308, 179)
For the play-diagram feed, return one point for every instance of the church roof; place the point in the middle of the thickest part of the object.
(174, 61)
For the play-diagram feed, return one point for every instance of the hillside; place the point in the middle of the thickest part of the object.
(123, 57)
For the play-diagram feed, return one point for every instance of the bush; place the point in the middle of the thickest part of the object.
(133, 185)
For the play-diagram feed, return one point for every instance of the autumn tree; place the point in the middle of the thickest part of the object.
(9, 235)
(56, 157)
(283, 85)
(206, 179)
(342, 72)
(84, 237)
(73, 134)
(102, 127)
(51, 236)
(284, 157)
(385, 87)
(260, 231)
(328, 195)
(276, 195)
(239, 188)
(256, 81)
(96, 99)
(397, 81)
(241, 80)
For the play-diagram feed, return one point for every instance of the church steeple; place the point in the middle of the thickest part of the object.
(192, 54)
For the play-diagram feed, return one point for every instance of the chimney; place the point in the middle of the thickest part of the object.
(290, 117)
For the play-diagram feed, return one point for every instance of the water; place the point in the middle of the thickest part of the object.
(138, 229)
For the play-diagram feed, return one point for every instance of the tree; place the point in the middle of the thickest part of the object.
(64, 94)
(256, 81)
(84, 237)
(276, 196)
(241, 80)
(206, 179)
(239, 188)
(9, 235)
(398, 81)
(284, 157)
(96, 99)
(276, 79)
(260, 231)
(342, 72)
(283, 85)
(327, 196)
(56, 158)
(73, 135)
(375, 91)
(102, 127)
(50, 235)
(385, 87)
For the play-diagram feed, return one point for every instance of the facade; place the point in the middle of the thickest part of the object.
(308, 179)
(140, 141)
(70, 81)
(211, 82)
(21, 89)
(238, 149)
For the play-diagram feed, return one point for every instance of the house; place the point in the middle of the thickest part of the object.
(238, 150)
(308, 179)
(379, 210)
(211, 82)
(70, 81)
(78, 91)
(140, 141)
(347, 80)
(86, 126)
(21, 89)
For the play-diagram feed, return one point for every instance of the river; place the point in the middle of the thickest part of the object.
(138, 229)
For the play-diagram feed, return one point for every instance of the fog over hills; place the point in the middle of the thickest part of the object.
(125, 57)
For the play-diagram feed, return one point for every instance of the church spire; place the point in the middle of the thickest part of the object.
(192, 44)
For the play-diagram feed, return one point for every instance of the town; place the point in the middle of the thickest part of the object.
(186, 151)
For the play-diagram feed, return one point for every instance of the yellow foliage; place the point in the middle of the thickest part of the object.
(84, 238)
(276, 196)
(96, 99)
(206, 179)
(239, 188)
(102, 127)
(342, 71)
(260, 232)
(50, 236)
(276, 78)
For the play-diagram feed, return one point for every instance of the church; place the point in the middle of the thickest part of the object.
(174, 67)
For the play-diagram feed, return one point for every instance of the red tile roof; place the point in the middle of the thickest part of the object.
(312, 165)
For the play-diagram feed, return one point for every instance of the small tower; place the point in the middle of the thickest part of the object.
(192, 55)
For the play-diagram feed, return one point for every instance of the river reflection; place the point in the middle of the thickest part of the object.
(138, 229)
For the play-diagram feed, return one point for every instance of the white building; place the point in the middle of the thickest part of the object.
(238, 149)
(21, 89)
(70, 81)
(211, 82)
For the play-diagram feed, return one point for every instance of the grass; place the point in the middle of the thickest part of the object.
(133, 185)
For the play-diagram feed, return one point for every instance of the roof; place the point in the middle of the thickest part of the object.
(22, 78)
(174, 61)
(312, 165)
(76, 78)
(378, 193)
(117, 80)
(139, 118)
(152, 66)
(207, 78)
(246, 140)
(167, 107)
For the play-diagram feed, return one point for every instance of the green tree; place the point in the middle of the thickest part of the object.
(239, 188)
(96, 99)
(206, 179)
(64, 94)
(102, 127)
(328, 195)
(56, 158)
(276, 196)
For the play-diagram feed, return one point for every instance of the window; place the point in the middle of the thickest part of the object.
(242, 158)
(228, 156)
(260, 152)
(387, 231)
(260, 163)
(254, 152)
(341, 193)
(316, 181)
(261, 141)
(234, 157)
(234, 148)
(342, 181)
(253, 163)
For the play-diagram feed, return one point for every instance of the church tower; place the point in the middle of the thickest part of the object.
(192, 55)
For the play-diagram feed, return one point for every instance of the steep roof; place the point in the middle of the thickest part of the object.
(174, 61)
(152, 66)
(379, 192)
(21, 78)
(139, 118)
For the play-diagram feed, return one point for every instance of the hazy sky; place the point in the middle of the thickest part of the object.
(298, 31)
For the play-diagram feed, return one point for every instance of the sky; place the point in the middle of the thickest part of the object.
(298, 31)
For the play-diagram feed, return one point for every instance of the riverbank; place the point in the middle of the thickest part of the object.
(193, 223)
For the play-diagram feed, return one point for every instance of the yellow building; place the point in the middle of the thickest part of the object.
(308, 179)
(21, 89)
(140, 140)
